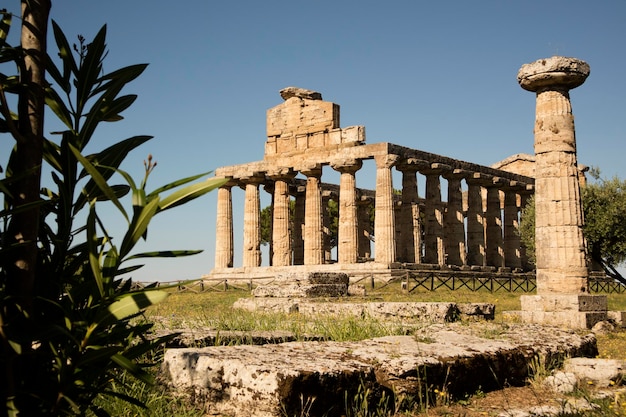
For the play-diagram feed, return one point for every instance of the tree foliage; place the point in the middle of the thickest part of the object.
(69, 318)
(605, 222)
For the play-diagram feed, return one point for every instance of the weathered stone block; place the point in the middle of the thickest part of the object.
(353, 134)
(564, 302)
(314, 277)
(297, 115)
(301, 290)
(619, 317)
(275, 380)
(601, 370)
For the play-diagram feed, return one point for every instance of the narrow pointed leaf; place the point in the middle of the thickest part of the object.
(56, 104)
(120, 77)
(94, 255)
(130, 305)
(138, 227)
(164, 254)
(99, 180)
(191, 192)
(177, 183)
(5, 26)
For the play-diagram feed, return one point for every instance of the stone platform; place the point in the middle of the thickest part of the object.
(282, 379)
(423, 312)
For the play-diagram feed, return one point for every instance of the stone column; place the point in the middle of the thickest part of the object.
(434, 251)
(475, 220)
(512, 243)
(347, 240)
(409, 248)
(494, 252)
(384, 219)
(252, 220)
(224, 249)
(327, 239)
(524, 196)
(298, 225)
(454, 219)
(281, 238)
(562, 271)
(313, 226)
(364, 205)
(559, 243)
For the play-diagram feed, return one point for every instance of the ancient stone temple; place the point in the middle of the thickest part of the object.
(473, 229)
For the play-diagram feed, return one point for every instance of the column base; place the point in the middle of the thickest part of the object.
(577, 311)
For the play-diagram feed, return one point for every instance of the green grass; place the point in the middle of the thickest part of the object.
(214, 310)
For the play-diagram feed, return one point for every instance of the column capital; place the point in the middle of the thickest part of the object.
(255, 177)
(555, 73)
(312, 170)
(387, 160)
(436, 168)
(412, 165)
(281, 173)
(455, 174)
(347, 164)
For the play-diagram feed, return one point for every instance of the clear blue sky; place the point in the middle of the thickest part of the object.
(438, 76)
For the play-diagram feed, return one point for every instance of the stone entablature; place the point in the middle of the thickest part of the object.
(304, 138)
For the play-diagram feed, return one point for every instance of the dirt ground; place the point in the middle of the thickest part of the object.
(508, 400)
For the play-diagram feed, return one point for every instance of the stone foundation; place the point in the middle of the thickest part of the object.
(577, 311)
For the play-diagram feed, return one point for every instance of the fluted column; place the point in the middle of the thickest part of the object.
(326, 219)
(494, 252)
(475, 220)
(525, 195)
(364, 205)
(281, 237)
(384, 220)
(347, 245)
(298, 224)
(224, 249)
(434, 251)
(313, 226)
(454, 219)
(512, 243)
(409, 248)
(560, 246)
(252, 221)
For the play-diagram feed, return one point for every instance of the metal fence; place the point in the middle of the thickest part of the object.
(410, 281)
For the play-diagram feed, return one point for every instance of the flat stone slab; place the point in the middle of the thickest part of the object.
(210, 337)
(422, 311)
(280, 379)
(305, 284)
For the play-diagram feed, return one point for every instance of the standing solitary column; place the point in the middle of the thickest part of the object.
(313, 227)
(347, 235)
(281, 238)
(384, 219)
(224, 228)
(559, 245)
(252, 221)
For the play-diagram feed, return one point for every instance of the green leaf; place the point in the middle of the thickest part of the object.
(130, 304)
(164, 254)
(94, 253)
(177, 183)
(191, 192)
(5, 26)
(65, 53)
(56, 104)
(99, 180)
(112, 111)
(138, 226)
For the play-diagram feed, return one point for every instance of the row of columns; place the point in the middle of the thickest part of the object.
(440, 233)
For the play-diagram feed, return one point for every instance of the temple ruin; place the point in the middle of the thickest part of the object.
(476, 229)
